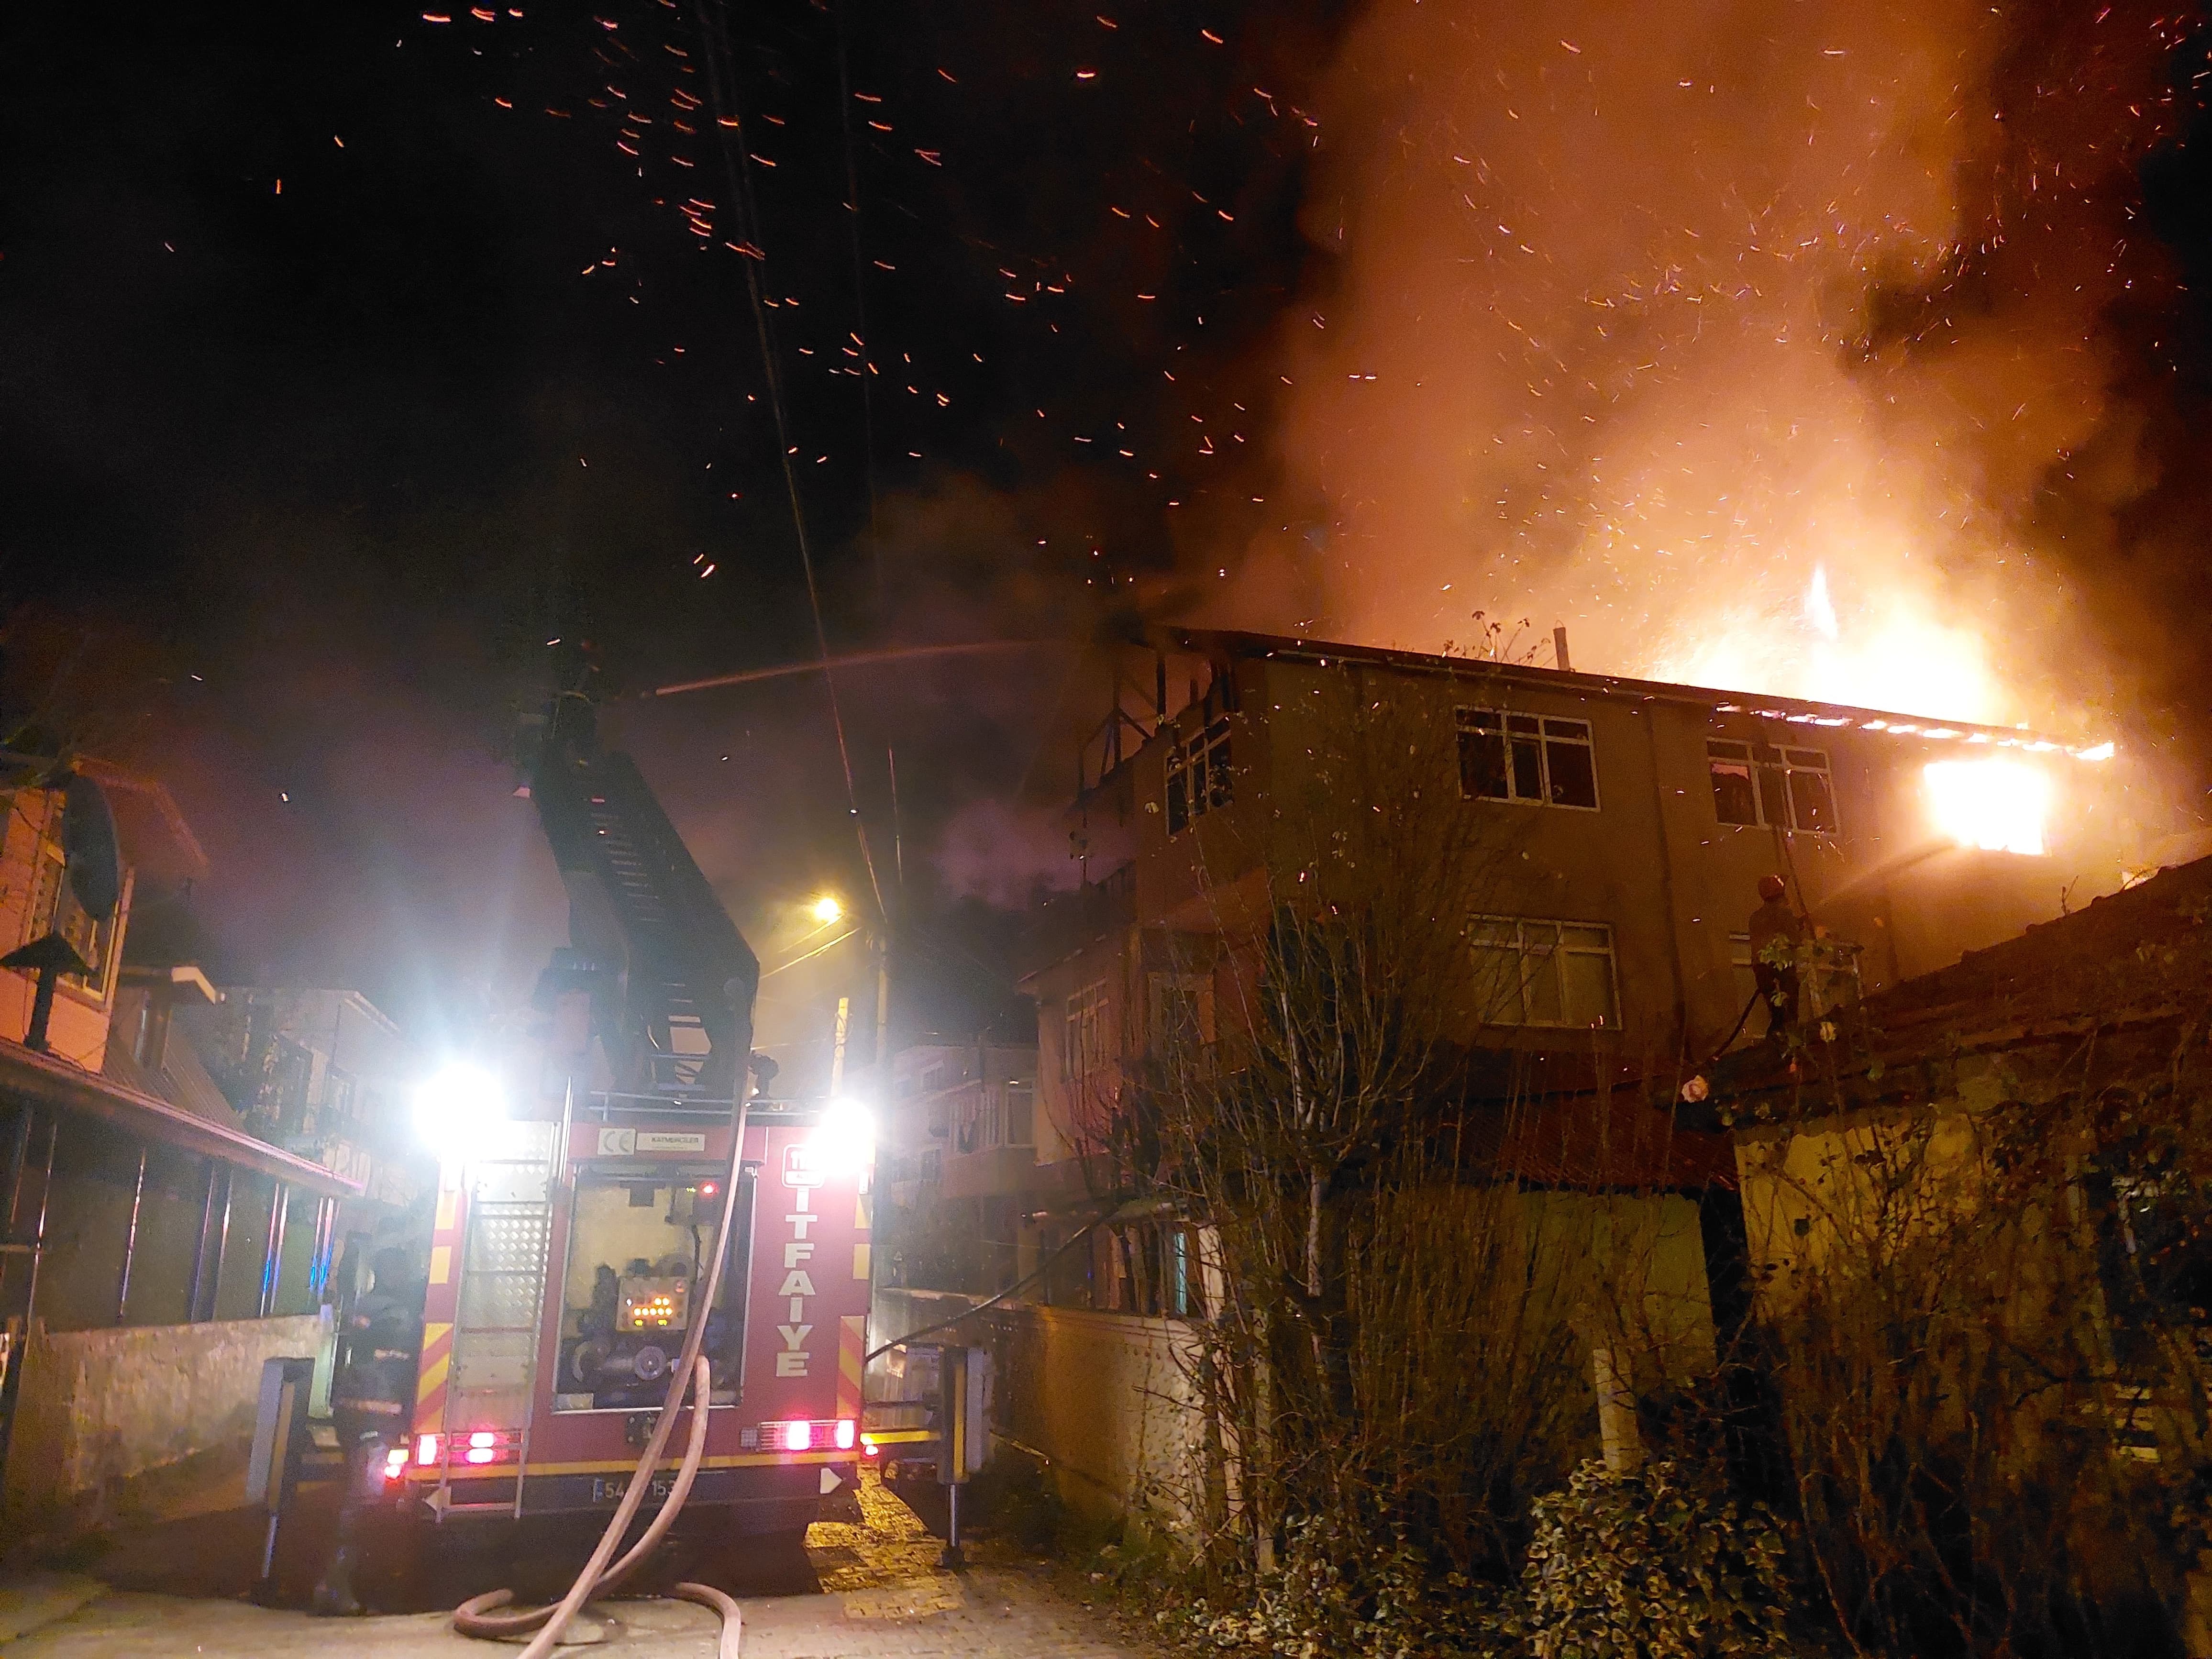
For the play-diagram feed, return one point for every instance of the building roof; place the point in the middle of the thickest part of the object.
(1231, 644)
(48, 1081)
(2124, 968)
(155, 838)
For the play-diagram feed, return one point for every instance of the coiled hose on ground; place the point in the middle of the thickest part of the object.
(691, 1374)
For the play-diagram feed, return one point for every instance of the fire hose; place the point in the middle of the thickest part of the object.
(691, 1374)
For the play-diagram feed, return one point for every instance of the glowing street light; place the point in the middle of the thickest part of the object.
(827, 911)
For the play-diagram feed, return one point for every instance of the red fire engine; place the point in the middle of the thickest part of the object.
(575, 1231)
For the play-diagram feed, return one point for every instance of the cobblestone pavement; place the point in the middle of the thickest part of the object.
(882, 1597)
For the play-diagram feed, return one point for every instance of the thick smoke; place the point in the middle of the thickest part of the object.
(1638, 317)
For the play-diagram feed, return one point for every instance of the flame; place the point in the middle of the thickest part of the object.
(1887, 653)
(1819, 610)
(1998, 805)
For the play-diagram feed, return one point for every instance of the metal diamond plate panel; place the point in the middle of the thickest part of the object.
(507, 1299)
(506, 1244)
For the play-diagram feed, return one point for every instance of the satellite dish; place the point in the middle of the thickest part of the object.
(95, 865)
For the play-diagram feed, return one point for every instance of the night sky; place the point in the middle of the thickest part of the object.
(348, 355)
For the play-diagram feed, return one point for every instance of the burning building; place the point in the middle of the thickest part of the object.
(1625, 825)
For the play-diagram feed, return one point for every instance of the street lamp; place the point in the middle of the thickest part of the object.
(827, 911)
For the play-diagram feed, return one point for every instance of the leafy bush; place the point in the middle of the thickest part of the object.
(1655, 1563)
(1340, 1592)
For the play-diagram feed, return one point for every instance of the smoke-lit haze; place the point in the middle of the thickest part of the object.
(1638, 318)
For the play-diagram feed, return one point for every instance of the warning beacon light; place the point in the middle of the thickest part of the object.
(454, 1108)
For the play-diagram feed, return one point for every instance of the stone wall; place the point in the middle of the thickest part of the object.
(102, 1410)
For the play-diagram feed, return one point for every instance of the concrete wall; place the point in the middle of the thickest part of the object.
(102, 1409)
(1105, 1396)
(1101, 1395)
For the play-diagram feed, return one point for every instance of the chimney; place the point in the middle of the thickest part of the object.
(1560, 661)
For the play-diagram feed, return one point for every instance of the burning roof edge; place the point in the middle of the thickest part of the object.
(1236, 645)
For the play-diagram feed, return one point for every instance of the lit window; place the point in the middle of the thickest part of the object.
(1198, 776)
(1527, 758)
(1781, 788)
(1534, 972)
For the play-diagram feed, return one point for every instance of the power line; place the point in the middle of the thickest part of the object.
(859, 290)
(722, 68)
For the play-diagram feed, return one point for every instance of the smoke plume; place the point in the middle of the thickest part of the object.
(1645, 319)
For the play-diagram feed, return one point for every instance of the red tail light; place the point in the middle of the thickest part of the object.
(472, 1447)
(848, 1430)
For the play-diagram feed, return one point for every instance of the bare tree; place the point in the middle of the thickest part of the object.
(1403, 1337)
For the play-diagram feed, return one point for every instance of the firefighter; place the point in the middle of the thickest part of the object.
(370, 1392)
(1777, 930)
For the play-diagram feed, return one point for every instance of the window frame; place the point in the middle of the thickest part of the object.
(1206, 758)
(1787, 765)
(1178, 1003)
(1021, 1125)
(1469, 723)
(1552, 955)
(53, 907)
(1083, 1032)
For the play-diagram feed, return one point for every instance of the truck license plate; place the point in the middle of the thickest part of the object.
(610, 1488)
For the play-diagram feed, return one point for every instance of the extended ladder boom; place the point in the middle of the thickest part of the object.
(640, 912)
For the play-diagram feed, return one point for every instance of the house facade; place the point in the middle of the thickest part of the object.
(154, 1251)
(957, 1160)
(1602, 846)
(1618, 833)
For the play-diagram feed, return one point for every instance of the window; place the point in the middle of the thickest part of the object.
(1198, 776)
(1083, 1044)
(1782, 788)
(1508, 757)
(1529, 972)
(1181, 1010)
(1021, 1115)
(932, 1079)
(54, 909)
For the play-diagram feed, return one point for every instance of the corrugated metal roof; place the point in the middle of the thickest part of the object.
(56, 1083)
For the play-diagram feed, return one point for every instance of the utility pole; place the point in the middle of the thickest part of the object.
(837, 1046)
(884, 1015)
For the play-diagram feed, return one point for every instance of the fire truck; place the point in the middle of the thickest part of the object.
(575, 1232)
